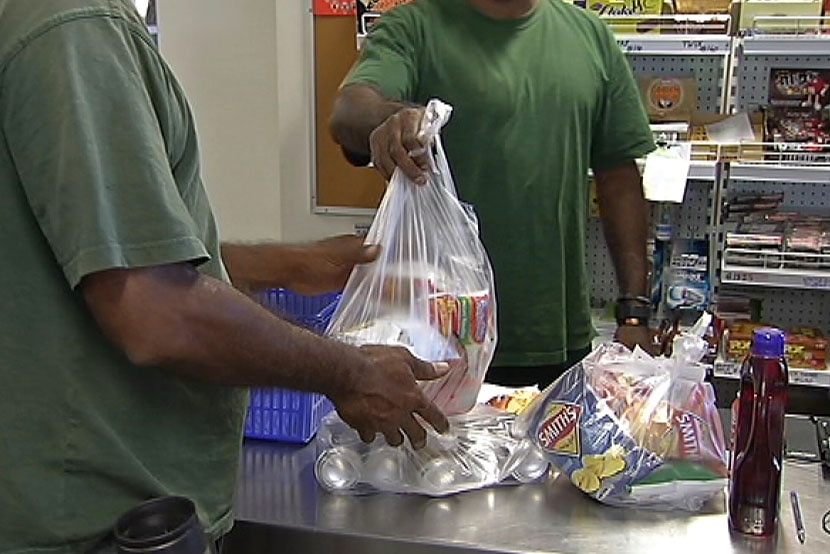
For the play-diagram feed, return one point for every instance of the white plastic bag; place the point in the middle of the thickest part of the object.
(478, 451)
(632, 430)
(431, 290)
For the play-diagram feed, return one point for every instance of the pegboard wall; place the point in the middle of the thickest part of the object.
(787, 308)
(708, 70)
(691, 219)
(751, 87)
(781, 306)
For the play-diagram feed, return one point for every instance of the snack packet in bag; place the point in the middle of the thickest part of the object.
(431, 289)
(629, 429)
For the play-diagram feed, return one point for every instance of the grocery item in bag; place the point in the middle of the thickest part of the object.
(629, 429)
(431, 290)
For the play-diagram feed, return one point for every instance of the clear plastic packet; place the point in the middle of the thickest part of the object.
(477, 452)
(431, 289)
(632, 430)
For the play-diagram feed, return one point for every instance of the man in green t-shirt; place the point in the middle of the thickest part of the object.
(123, 349)
(541, 94)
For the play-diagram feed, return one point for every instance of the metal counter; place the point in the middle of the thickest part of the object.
(280, 508)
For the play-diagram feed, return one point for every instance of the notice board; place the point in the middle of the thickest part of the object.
(339, 186)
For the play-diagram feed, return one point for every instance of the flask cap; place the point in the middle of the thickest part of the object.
(769, 342)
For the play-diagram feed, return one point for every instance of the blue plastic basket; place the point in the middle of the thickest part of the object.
(283, 414)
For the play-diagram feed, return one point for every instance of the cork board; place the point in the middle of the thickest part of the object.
(339, 185)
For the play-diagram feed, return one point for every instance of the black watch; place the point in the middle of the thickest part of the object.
(629, 313)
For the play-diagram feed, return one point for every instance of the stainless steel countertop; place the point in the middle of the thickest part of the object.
(280, 507)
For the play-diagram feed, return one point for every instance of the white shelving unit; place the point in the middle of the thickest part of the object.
(732, 73)
(798, 376)
(675, 45)
(771, 171)
(798, 270)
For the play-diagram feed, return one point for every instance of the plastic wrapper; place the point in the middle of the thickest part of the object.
(431, 290)
(478, 451)
(632, 430)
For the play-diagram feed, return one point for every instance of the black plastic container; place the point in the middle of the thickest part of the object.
(165, 525)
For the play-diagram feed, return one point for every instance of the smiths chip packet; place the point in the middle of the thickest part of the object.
(631, 430)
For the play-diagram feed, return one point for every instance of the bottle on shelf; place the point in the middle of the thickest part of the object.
(758, 437)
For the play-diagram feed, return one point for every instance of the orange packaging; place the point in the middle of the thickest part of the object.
(739, 339)
(806, 347)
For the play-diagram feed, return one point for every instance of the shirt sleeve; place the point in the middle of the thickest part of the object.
(389, 58)
(621, 132)
(78, 113)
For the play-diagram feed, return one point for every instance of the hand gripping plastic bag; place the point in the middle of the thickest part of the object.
(633, 430)
(431, 289)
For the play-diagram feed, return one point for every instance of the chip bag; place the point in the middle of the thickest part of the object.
(629, 429)
(431, 289)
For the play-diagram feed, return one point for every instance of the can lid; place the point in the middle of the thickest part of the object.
(769, 342)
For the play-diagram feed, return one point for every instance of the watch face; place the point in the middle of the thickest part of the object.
(627, 310)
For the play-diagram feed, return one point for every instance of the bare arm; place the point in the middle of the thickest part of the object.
(367, 124)
(625, 225)
(312, 268)
(176, 318)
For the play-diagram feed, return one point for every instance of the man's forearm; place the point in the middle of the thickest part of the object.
(624, 214)
(358, 110)
(261, 266)
(208, 330)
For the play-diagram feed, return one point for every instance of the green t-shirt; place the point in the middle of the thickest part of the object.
(99, 168)
(537, 102)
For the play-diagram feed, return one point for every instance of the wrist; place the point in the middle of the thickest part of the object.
(632, 311)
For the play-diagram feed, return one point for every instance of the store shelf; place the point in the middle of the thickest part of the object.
(780, 172)
(699, 170)
(786, 45)
(798, 376)
(675, 45)
(798, 270)
(702, 170)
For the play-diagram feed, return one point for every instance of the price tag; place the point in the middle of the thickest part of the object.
(739, 277)
(727, 369)
(699, 46)
(802, 377)
(629, 46)
(815, 282)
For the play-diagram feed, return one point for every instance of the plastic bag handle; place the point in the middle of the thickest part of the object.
(436, 115)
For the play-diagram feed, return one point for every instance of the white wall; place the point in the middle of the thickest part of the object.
(246, 66)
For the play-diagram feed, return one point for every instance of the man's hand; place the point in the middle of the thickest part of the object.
(636, 335)
(384, 397)
(395, 143)
(328, 263)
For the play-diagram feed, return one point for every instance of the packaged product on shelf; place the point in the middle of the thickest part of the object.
(687, 283)
(742, 204)
(737, 339)
(431, 290)
(701, 6)
(619, 14)
(806, 348)
(668, 98)
(757, 235)
(729, 136)
(796, 118)
(632, 430)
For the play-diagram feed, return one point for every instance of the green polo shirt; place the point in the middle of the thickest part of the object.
(538, 101)
(99, 168)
